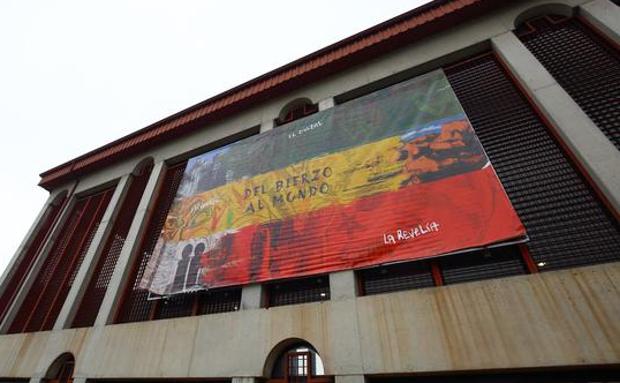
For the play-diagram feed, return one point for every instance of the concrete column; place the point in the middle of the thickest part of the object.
(38, 263)
(92, 256)
(267, 126)
(349, 379)
(244, 379)
(589, 146)
(604, 15)
(252, 297)
(342, 285)
(327, 103)
(132, 242)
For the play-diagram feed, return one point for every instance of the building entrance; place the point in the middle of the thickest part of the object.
(299, 363)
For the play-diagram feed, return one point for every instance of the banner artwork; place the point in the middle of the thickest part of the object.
(395, 175)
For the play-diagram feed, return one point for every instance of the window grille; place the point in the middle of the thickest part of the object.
(218, 301)
(47, 294)
(567, 224)
(303, 290)
(396, 277)
(483, 264)
(135, 305)
(583, 63)
(95, 292)
(23, 266)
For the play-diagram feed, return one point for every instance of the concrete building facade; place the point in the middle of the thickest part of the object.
(548, 308)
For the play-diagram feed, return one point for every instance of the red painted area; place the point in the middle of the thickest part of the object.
(471, 210)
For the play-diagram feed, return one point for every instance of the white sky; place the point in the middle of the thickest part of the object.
(75, 75)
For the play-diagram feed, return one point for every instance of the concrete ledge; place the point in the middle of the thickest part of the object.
(551, 319)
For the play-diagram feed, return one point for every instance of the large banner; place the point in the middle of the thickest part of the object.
(395, 175)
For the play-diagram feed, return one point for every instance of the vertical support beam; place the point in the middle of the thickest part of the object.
(604, 16)
(592, 151)
(252, 297)
(131, 246)
(38, 263)
(349, 379)
(93, 253)
(267, 126)
(342, 285)
(327, 103)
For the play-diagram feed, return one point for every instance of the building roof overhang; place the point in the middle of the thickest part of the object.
(402, 30)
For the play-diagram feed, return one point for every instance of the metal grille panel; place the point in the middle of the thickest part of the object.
(583, 64)
(95, 292)
(22, 268)
(296, 291)
(135, 305)
(53, 282)
(566, 223)
(219, 301)
(397, 277)
(484, 264)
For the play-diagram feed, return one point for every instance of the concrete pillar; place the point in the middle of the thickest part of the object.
(252, 297)
(349, 379)
(588, 145)
(38, 263)
(267, 126)
(604, 16)
(132, 242)
(92, 256)
(244, 379)
(327, 103)
(342, 285)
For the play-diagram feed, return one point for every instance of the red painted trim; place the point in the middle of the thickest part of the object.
(436, 271)
(527, 258)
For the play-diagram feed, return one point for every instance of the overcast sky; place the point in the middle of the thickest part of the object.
(75, 75)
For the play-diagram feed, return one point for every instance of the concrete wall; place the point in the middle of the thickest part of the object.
(557, 318)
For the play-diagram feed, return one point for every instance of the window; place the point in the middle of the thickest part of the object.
(24, 265)
(299, 363)
(295, 110)
(136, 304)
(552, 199)
(95, 292)
(303, 290)
(46, 296)
(583, 63)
